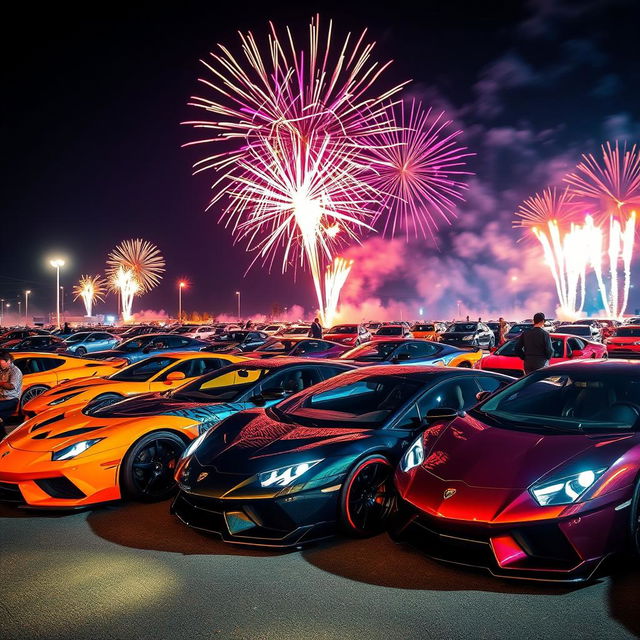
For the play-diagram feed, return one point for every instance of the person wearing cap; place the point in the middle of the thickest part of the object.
(534, 345)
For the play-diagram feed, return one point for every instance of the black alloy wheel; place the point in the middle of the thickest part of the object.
(147, 470)
(368, 499)
(81, 351)
(31, 393)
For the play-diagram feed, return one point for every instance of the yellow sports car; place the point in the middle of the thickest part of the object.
(42, 371)
(157, 373)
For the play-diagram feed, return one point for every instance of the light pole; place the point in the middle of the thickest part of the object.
(19, 310)
(238, 294)
(62, 300)
(56, 264)
(181, 286)
(1, 311)
(26, 306)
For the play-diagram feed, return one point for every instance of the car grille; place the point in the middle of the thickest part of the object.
(202, 513)
(11, 493)
(60, 487)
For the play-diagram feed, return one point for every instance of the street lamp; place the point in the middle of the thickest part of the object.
(1, 311)
(56, 264)
(19, 310)
(181, 286)
(238, 294)
(26, 306)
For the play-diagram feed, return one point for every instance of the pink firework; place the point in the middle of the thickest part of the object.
(609, 188)
(420, 167)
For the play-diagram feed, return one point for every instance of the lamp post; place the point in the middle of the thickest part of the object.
(19, 310)
(1, 311)
(26, 306)
(56, 264)
(181, 286)
(238, 294)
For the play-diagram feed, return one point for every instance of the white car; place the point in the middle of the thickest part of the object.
(296, 331)
(200, 332)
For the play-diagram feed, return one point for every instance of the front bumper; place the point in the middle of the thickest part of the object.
(32, 479)
(559, 550)
(623, 351)
(280, 521)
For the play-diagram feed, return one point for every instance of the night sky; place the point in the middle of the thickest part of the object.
(92, 143)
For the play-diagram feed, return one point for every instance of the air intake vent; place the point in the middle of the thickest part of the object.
(73, 432)
(44, 423)
(60, 488)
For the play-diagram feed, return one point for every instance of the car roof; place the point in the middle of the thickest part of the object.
(604, 366)
(279, 363)
(421, 373)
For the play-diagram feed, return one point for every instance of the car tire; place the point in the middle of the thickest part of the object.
(81, 351)
(635, 521)
(465, 364)
(106, 399)
(367, 499)
(31, 393)
(146, 472)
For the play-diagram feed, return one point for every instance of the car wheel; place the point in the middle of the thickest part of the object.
(146, 473)
(635, 520)
(102, 401)
(81, 351)
(367, 499)
(31, 393)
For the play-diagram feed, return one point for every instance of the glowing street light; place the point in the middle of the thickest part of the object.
(181, 285)
(238, 295)
(56, 264)
(27, 293)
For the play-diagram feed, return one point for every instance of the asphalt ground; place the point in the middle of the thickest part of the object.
(133, 571)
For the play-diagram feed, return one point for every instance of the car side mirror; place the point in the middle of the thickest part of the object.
(482, 395)
(174, 376)
(443, 413)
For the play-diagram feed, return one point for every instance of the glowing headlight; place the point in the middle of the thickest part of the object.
(62, 399)
(467, 338)
(414, 455)
(565, 490)
(285, 475)
(194, 445)
(74, 450)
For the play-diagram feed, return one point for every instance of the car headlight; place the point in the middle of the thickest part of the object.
(62, 399)
(194, 445)
(414, 455)
(284, 476)
(74, 450)
(565, 490)
(467, 338)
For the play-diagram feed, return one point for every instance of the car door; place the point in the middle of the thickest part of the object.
(191, 368)
(416, 353)
(283, 383)
(559, 348)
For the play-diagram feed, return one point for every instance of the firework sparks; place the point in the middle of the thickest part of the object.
(335, 277)
(90, 289)
(419, 167)
(134, 267)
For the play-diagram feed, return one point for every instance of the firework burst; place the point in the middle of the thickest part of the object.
(90, 289)
(419, 167)
(133, 268)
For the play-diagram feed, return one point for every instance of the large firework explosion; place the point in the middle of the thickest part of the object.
(90, 289)
(133, 268)
(301, 134)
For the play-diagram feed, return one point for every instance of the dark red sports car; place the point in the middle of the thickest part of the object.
(539, 481)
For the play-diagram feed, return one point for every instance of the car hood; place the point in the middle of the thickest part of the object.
(252, 441)
(469, 451)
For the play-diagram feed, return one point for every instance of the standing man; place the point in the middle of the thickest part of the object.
(534, 346)
(316, 329)
(10, 386)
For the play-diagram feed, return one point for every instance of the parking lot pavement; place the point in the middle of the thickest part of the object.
(132, 571)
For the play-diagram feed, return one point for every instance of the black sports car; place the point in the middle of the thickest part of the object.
(237, 341)
(319, 461)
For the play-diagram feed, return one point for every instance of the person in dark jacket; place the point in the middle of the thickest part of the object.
(534, 345)
(316, 329)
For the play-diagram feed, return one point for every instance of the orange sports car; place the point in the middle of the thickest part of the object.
(42, 371)
(158, 373)
(428, 331)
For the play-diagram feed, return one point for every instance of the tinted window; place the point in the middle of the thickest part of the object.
(194, 367)
(464, 327)
(343, 328)
(371, 352)
(487, 383)
(142, 371)
(628, 332)
(575, 344)
(176, 342)
(390, 331)
(46, 364)
(310, 346)
(416, 350)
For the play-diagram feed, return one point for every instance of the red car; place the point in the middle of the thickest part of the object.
(352, 335)
(625, 342)
(565, 347)
(387, 331)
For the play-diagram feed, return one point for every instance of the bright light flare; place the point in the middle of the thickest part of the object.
(124, 281)
(90, 289)
(335, 277)
(140, 257)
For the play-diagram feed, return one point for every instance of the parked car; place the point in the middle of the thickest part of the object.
(144, 346)
(319, 462)
(625, 343)
(36, 343)
(240, 341)
(428, 331)
(90, 342)
(469, 334)
(589, 331)
(387, 331)
(540, 481)
(517, 329)
(350, 334)
(299, 348)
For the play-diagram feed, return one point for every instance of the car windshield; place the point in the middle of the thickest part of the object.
(463, 327)
(142, 371)
(183, 330)
(277, 346)
(133, 344)
(234, 336)
(576, 330)
(493, 325)
(389, 331)
(519, 328)
(366, 403)
(76, 337)
(586, 399)
(371, 352)
(508, 349)
(343, 328)
(225, 385)
(423, 327)
(273, 327)
(628, 332)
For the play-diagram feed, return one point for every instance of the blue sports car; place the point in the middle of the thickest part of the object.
(144, 346)
(85, 342)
